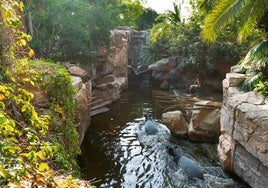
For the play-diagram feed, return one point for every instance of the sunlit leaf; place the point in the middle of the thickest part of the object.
(3, 172)
(24, 108)
(2, 97)
(41, 155)
(23, 42)
(43, 167)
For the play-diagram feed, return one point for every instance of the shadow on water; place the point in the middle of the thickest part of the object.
(118, 153)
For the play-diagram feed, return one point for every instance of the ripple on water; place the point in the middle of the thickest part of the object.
(121, 154)
(145, 162)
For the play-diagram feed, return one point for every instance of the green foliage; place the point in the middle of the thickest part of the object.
(13, 41)
(155, 51)
(185, 40)
(71, 30)
(56, 83)
(129, 12)
(24, 151)
(255, 66)
(167, 23)
(30, 146)
(246, 13)
(31, 143)
(147, 19)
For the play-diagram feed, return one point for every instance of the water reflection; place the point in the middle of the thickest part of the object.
(120, 154)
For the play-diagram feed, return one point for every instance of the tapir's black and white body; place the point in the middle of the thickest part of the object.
(189, 166)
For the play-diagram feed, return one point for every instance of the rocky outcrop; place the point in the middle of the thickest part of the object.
(164, 69)
(205, 122)
(106, 90)
(138, 40)
(113, 77)
(243, 144)
(176, 122)
(83, 98)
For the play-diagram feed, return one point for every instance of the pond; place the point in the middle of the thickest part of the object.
(116, 154)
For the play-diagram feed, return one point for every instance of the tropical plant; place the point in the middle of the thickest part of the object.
(251, 15)
(167, 21)
(154, 51)
(247, 13)
(255, 66)
(29, 147)
(147, 19)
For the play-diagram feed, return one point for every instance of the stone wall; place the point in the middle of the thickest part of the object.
(243, 144)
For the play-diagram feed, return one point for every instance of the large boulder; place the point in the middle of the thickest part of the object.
(164, 69)
(75, 70)
(205, 122)
(176, 122)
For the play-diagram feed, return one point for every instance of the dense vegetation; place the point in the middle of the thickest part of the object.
(204, 44)
(74, 30)
(35, 144)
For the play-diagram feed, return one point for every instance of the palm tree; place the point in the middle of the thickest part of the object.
(168, 20)
(248, 13)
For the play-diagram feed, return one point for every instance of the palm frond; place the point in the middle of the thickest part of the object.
(224, 12)
(257, 57)
(158, 31)
(252, 12)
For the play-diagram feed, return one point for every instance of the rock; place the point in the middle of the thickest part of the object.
(41, 99)
(83, 109)
(225, 150)
(243, 145)
(164, 68)
(77, 71)
(99, 111)
(234, 79)
(106, 79)
(77, 82)
(116, 57)
(249, 97)
(205, 122)
(176, 122)
(249, 168)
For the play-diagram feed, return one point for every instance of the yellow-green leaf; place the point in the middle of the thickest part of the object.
(3, 172)
(9, 128)
(23, 42)
(41, 155)
(24, 108)
(43, 167)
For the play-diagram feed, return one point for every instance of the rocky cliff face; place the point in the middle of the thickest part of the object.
(112, 79)
(82, 97)
(243, 144)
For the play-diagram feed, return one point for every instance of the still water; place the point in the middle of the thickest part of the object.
(115, 153)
